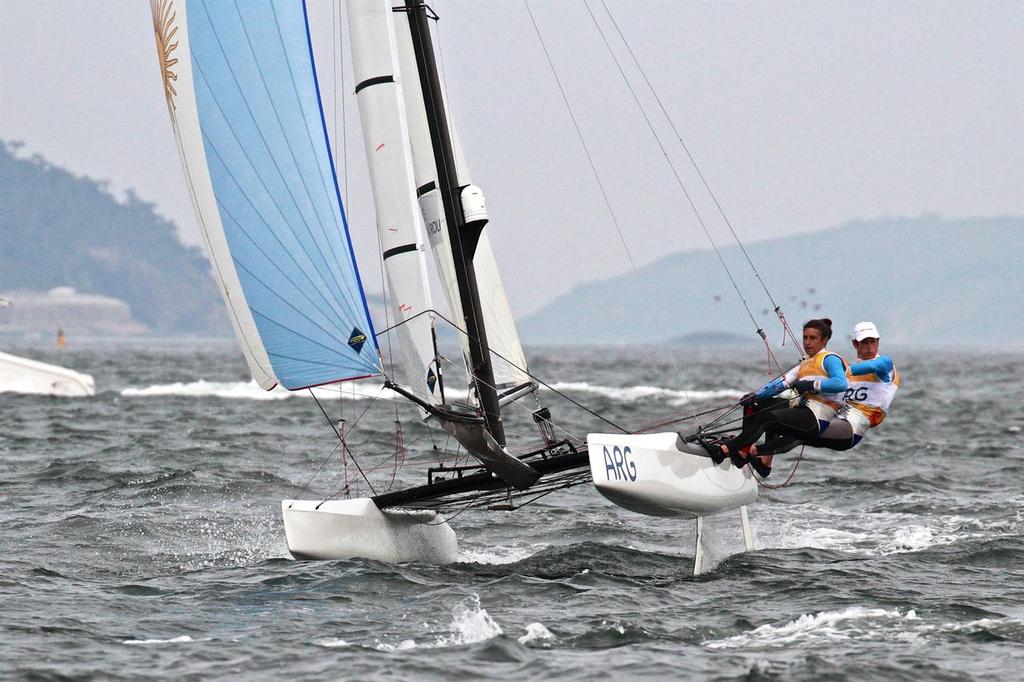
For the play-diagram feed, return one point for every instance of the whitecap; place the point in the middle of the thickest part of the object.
(536, 632)
(173, 640)
(854, 622)
(470, 624)
(404, 645)
(631, 394)
(250, 390)
(332, 643)
(498, 555)
(868, 534)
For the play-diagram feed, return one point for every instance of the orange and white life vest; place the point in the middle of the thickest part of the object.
(871, 396)
(824, 405)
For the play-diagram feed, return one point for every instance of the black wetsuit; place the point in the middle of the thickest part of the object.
(782, 424)
(782, 432)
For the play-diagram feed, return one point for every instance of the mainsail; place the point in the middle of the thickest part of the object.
(241, 89)
(502, 336)
(399, 221)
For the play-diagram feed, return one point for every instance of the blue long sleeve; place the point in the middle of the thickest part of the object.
(836, 375)
(880, 366)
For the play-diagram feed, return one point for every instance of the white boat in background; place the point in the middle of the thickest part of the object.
(21, 375)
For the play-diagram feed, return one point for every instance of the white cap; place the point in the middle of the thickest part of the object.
(865, 330)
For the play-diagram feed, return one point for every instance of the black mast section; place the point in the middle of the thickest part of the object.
(463, 238)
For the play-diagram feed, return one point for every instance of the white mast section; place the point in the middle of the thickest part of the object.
(508, 358)
(389, 157)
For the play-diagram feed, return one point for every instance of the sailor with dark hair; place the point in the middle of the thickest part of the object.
(820, 381)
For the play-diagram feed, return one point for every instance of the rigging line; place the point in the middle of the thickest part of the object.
(447, 109)
(344, 121)
(511, 363)
(467, 507)
(341, 440)
(534, 378)
(679, 181)
(571, 436)
(555, 487)
(607, 201)
(700, 173)
(323, 463)
(776, 486)
(655, 425)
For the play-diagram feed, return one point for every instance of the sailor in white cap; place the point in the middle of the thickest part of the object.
(872, 382)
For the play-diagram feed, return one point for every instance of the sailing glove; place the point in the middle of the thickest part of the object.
(805, 386)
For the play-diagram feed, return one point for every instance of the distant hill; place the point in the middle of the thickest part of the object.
(58, 229)
(923, 280)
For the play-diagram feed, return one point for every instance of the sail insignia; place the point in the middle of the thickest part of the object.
(165, 27)
(356, 340)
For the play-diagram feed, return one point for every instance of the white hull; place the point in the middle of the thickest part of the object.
(21, 375)
(347, 529)
(653, 474)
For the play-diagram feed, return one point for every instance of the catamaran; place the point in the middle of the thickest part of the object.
(245, 104)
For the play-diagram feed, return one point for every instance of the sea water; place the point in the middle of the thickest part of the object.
(142, 534)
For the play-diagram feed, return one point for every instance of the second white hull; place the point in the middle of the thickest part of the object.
(349, 529)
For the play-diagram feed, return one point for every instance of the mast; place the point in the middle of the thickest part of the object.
(463, 235)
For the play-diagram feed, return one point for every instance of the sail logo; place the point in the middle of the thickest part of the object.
(617, 462)
(431, 380)
(356, 339)
(164, 26)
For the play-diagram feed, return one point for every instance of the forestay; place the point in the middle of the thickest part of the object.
(241, 89)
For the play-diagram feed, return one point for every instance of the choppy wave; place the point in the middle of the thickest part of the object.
(470, 624)
(183, 639)
(250, 390)
(537, 634)
(632, 394)
(875, 534)
(855, 622)
(498, 555)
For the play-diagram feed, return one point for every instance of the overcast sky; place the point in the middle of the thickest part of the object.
(801, 115)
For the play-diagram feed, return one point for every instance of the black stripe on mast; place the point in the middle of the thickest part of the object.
(463, 242)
